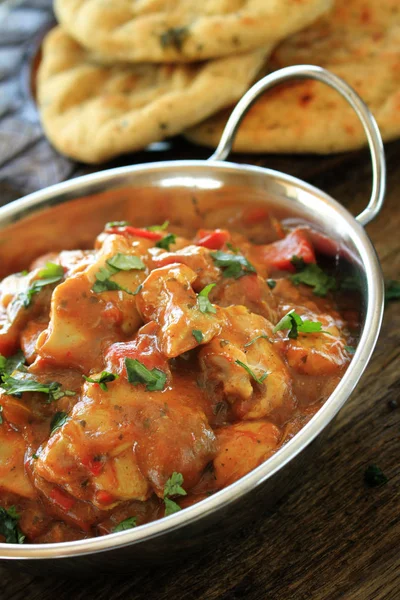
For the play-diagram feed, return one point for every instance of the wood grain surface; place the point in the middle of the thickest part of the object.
(333, 537)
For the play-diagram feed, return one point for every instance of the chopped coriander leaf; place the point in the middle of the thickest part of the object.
(204, 303)
(104, 378)
(9, 526)
(295, 324)
(392, 290)
(35, 456)
(251, 373)
(158, 227)
(166, 241)
(58, 421)
(51, 273)
(350, 349)
(126, 262)
(104, 284)
(11, 364)
(154, 379)
(171, 507)
(298, 262)
(1, 416)
(233, 265)
(25, 382)
(254, 340)
(374, 476)
(111, 224)
(198, 335)
(271, 283)
(173, 486)
(312, 275)
(175, 36)
(125, 524)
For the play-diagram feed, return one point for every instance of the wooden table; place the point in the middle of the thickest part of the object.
(333, 537)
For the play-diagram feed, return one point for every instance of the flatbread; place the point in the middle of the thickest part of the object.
(92, 112)
(360, 42)
(183, 30)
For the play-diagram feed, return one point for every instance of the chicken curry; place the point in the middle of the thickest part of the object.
(143, 375)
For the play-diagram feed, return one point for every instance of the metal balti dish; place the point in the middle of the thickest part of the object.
(202, 523)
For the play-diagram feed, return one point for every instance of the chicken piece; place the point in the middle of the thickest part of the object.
(83, 322)
(196, 258)
(241, 448)
(317, 354)
(245, 339)
(13, 314)
(251, 291)
(13, 478)
(168, 299)
(145, 348)
(124, 443)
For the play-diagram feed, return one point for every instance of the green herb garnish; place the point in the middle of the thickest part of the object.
(9, 526)
(312, 275)
(58, 420)
(14, 386)
(254, 340)
(392, 290)
(111, 224)
(173, 487)
(104, 378)
(162, 227)
(125, 524)
(11, 364)
(117, 263)
(374, 476)
(154, 379)
(126, 262)
(51, 273)
(251, 373)
(1, 416)
(233, 265)
(198, 335)
(271, 283)
(204, 303)
(166, 241)
(350, 349)
(295, 324)
(175, 36)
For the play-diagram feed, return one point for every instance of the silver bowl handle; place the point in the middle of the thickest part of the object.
(370, 126)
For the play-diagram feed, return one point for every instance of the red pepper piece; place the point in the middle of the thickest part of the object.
(214, 240)
(94, 466)
(136, 231)
(104, 497)
(279, 254)
(62, 499)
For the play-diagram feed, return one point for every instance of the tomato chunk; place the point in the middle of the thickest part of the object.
(136, 231)
(214, 240)
(278, 255)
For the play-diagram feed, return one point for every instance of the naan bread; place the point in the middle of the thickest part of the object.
(93, 112)
(360, 42)
(183, 30)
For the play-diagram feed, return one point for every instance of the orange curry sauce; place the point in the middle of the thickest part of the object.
(190, 385)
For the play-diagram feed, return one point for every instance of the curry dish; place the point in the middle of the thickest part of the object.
(141, 376)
